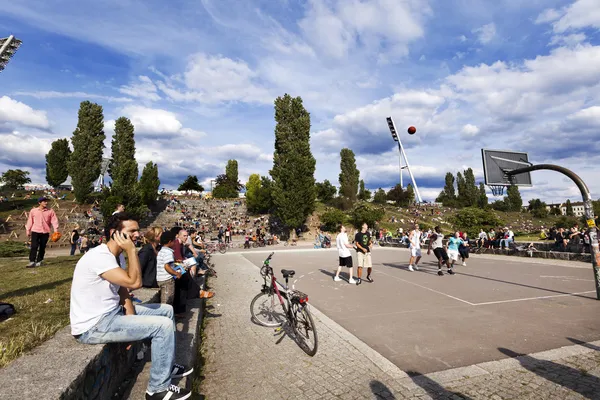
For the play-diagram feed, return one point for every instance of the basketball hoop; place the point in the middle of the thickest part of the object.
(497, 190)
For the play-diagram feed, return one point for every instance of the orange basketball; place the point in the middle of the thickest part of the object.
(412, 130)
(55, 237)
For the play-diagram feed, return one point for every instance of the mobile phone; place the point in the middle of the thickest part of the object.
(113, 235)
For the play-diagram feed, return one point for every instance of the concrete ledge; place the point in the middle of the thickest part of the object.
(62, 368)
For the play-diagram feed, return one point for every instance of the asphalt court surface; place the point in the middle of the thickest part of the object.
(424, 323)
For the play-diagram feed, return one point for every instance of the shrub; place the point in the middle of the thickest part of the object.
(13, 249)
(365, 213)
(471, 220)
(331, 219)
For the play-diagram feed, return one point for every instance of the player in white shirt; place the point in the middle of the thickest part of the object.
(345, 257)
(414, 239)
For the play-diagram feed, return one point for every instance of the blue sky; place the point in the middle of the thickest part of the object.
(198, 79)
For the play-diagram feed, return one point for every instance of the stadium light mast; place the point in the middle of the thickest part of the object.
(8, 47)
(402, 156)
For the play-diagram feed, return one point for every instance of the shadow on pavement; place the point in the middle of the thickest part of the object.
(584, 344)
(426, 268)
(573, 379)
(434, 389)
(381, 391)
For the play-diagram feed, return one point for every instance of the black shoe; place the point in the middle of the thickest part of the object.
(172, 393)
(450, 272)
(358, 281)
(369, 278)
(440, 273)
(179, 371)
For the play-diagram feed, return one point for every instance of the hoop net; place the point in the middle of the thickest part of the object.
(497, 190)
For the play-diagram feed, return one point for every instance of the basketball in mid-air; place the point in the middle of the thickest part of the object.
(412, 130)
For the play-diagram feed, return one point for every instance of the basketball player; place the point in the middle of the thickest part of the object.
(414, 239)
(363, 243)
(436, 241)
(453, 244)
(345, 257)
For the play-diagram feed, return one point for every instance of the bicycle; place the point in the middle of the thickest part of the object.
(272, 307)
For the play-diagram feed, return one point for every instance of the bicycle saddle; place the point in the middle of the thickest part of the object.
(288, 273)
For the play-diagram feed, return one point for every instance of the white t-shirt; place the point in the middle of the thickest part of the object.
(91, 295)
(415, 242)
(165, 256)
(341, 241)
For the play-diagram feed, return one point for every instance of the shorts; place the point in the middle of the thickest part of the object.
(415, 252)
(440, 254)
(453, 254)
(364, 260)
(346, 262)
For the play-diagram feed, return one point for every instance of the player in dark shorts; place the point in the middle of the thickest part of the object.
(436, 241)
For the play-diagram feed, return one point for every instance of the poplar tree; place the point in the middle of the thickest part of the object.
(57, 170)
(349, 176)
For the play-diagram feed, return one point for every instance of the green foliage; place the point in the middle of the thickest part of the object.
(109, 203)
(398, 195)
(258, 194)
(410, 194)
(537, 208)
(596, 206)
(566, 222)
(191, 183)
(325, 191)
(331, 219)
(500, 205)
(366, 213)
(482, 199)
(380, 196)
(149, 183)
(56, 162)
(227, 185)
(569, 211)
(513, 199)
(15, 179)
(293, 169)
(363, 194)
(471, 220)
(231, 171)
(471, 195)
(349, 176)
(88, 143)
(13, 249)
(448, 195)
(555, 211)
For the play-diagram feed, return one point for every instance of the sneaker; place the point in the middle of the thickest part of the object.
(440, 273)
(410, 268)
(358, 281)
(337, 278)
(451, 272)
(179, 371)
(352, 281)
(369, 278)
(416, 267)
(172, 393)
(30, 265)
(38, 264)
(464, 264)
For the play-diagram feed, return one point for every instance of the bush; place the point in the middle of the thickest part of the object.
(566, 222)
(365, 213)
(13, 249)
(331, 219)
(471, 220)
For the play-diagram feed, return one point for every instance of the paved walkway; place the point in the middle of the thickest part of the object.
(243, 360)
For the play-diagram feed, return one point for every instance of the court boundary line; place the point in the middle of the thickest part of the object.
(534, 298)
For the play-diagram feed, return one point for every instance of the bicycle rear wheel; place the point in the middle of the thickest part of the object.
(222, 248)
(305, 330)
(266, 310)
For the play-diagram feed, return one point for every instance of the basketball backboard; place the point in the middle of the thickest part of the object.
(496, 164)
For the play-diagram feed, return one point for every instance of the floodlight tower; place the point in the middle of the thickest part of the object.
(8, 47)
(402, 155)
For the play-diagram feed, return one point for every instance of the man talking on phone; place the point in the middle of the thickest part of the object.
(102, 311)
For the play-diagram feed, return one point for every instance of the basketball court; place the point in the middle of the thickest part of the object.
(423, 322)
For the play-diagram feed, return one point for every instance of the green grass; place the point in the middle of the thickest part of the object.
(28, 290)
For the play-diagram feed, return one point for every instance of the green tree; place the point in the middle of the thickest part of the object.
(569, 207)
(349, 176)
(596, 205)
(380, 196)
(293, 163)
(461, 185)
(252, 192)
(191, 183)
(258, 194)
(366, 213)
(56, 162)
(482, 199)
(123, 168)
(88, 144)
(331, 219)
(471, 198)
(363, 194)
(325, 191)
(227, 186)
(410, 194)
(398, 195)
(448, 195)
(537, 208)
(231, 170)
(265, 198)
(513, 199)
(15, 179)
(471, 220)
(149, 183)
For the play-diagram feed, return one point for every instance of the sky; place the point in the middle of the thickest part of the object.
(198, 79)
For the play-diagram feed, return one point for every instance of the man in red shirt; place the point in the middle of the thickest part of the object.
(38, 228)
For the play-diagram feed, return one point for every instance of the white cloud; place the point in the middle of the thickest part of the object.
(580, 14)
(548, 15)
(67, 95)
(470, 130)
(14, 111)
(20, 149)
(571, 40)
(462, 38)
(144, 89)
(486, 33)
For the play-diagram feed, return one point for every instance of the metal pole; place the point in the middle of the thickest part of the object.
(400, 160)
(589, 212)
(412, 178)
(6, 44)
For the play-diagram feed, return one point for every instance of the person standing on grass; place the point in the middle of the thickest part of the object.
(436, 242)
(363, 243)
(38, 228)
(345, 257)
(414, 239)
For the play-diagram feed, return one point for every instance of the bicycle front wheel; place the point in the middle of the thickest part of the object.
(266, 310)
(305, 330)
(223, 248)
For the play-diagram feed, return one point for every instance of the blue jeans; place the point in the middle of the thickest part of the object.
(154, 321)
(506, 242)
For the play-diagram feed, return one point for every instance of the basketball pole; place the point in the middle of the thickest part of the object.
(588, 209)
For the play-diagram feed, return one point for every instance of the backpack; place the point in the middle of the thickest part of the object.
(6, 311)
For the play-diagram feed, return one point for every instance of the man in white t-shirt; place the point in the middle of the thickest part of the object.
(102, 310)
(414, 239)
(345, 257)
